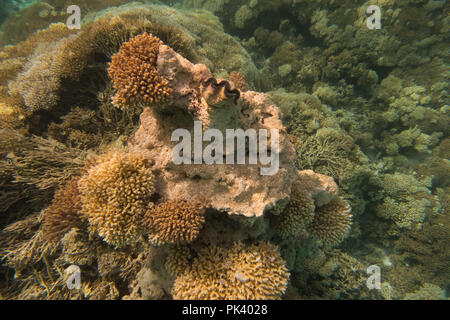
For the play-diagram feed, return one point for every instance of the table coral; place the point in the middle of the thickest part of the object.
(254, 272)
(115, 193)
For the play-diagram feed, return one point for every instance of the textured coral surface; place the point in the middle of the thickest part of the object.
(236, 273)
(134, 74)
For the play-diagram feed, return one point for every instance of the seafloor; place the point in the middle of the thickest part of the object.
(87, 184)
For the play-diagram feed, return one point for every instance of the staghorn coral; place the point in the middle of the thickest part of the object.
(62, 215)
(332, 222)
(175, 221)
(37, 161)
(31, 168)
(134, 74)
(115, 192)
(239, 272)
(24, 254)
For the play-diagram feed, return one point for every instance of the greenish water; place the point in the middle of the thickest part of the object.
(362, 95)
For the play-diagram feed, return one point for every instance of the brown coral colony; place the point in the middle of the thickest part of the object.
(175, 221)
(134, 72)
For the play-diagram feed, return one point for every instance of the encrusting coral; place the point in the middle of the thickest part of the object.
(175, 221)
(134, 74)
(115, 193)
(239, 272)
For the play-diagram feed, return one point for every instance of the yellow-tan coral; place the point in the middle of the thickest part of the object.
(134, 74)
(175, 221)
(116, 192)
(332, 222)
(177, 261)
(298, 214)
(256, 272)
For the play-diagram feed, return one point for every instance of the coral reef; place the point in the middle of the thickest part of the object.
(362, 118)
(332, 222)
(427, 292)
(298, 213)
(408, 201)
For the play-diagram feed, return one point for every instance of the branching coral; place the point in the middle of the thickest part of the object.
(239, 272)
(344, 276)
(38, 161)
(134, 73)
(31, 168)
(177, 261)
(175, 221)
(315, 207)
(298, 214)
(407, 200)
(332, 222)
(115, 193)
(62, 215)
